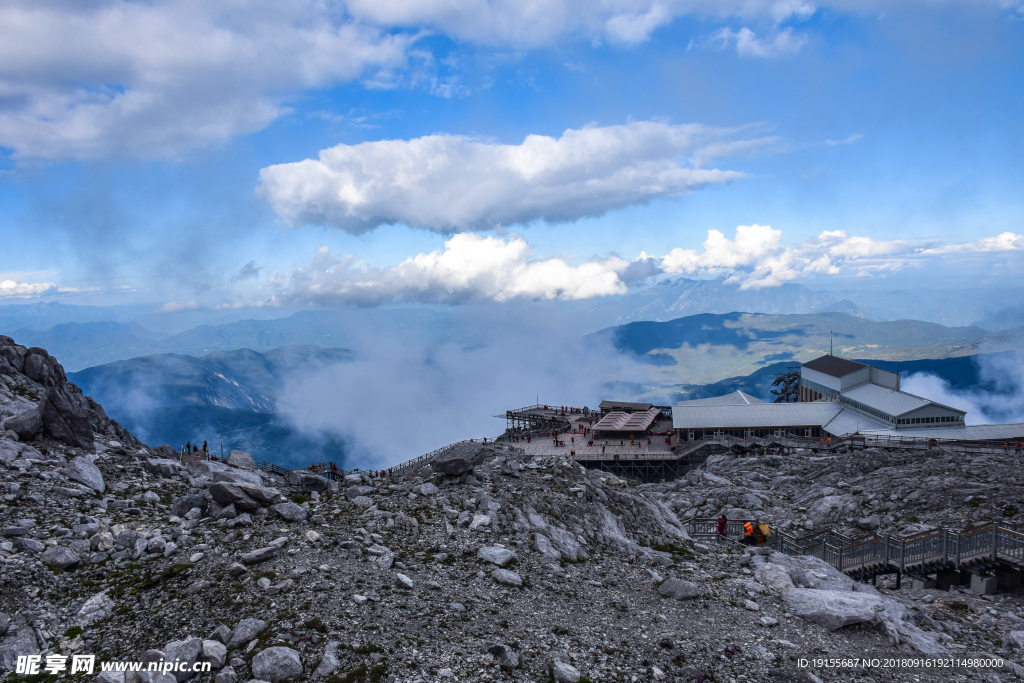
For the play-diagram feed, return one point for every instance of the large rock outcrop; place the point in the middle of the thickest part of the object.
(36, 399)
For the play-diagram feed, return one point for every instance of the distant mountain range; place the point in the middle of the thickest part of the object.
(224, 397)
(83, 345)
(681, 297)
(84, 336)
(671, 299)
(703, 348)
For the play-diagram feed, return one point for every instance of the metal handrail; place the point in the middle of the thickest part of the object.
(932, 548)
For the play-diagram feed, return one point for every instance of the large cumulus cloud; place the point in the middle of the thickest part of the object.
(452, 182)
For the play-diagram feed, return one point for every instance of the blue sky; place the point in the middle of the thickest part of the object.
(149, 151)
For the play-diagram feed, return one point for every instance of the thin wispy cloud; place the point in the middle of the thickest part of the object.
(856, 137)
(781, 44)
(250, 271)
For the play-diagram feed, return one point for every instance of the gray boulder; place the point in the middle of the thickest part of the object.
(461, 457)
(184, 651)
(505, 656)
(775, 577)
(354, 492)
(507, 578)
(204, 468)
(165, 451)
(82, 470)
(61, 557)
(96, 608)
(21, 643)
(259, 555)
(5, 621)
(544, 547)
(265, 495)
(182, 505)
(276, 663)
(495, 555)
(330, 662)
(162, 467)
(834, 609)
(427, 489)
(679, 589)
(241, 459)
(29, 544)
(290, 512)
(215, 652)
(238, 476)
(564, 672)
(226, 675)
(312, 482)
(246, 630)
(222, 634)
(869, 523)
(25, 424)
(231, 494)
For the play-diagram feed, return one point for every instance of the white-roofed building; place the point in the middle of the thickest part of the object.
(838, 397)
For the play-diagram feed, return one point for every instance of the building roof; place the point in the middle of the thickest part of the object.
(1001, 432)
(890, 401)
(765, 415)
(834, 366)
(618, 421)
(624, 405)
(736, 398)
(850, 422)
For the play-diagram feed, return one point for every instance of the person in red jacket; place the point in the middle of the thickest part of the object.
(722, 523)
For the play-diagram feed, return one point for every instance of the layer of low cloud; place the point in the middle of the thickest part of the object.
(1006, 241)
(454, 391)
(756, 257)
(1000, 399)
(450, 182)
(475, 268)
(470, 268)
(11, 289)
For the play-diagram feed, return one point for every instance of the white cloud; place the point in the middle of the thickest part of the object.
(541, 22)
(104, 78)
(86, 80)
(1006, 241)
(475, 268)
(856, 137)
(178, 306)
(782, 44)
(470, 268)
(450, 182)
(10, 289)
(757, 258)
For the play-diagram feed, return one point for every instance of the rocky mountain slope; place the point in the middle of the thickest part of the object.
(484, 566)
